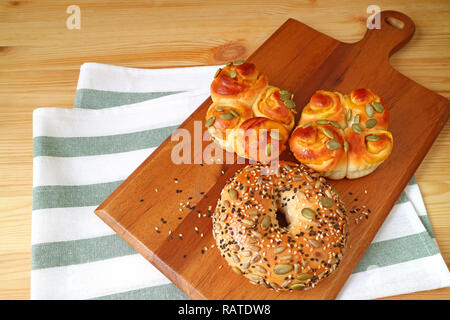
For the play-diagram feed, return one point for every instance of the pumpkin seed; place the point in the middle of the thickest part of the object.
(254, 248)
(275, 135)
(219, 108)
(322, 121)
(314, 242)
(357, 117)
(345, 146)
(253, 212)
(307, 124)
(226, 204)
(223, 217)
(238, 62)
(236, 247)
(234, 113)
(296, 267)
(233, 194)
(335, 124)
(356, 128)
(256, 258)
(371, 123)
(327, 202)
(372, 138)
(226, 116)
(303, 276)
(229, 63)
(297, 286)
(282, 268)
(333, 145)
(265, 223)
(348, 114)
(279, 249)
(290, 104)
(217, 72)
(328, 133)
(308, 213)
(235, 258)
(285, 95)
(237, 270)
(378, 107)
(210, 122)
(369, 110)
(339, 212)
(232, 73)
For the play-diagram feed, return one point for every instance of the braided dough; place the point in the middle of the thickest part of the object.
(343, 135)
(248, 116)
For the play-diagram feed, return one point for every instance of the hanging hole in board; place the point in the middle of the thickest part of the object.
(396, 23)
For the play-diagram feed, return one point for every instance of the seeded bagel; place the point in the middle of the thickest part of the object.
(255, 245)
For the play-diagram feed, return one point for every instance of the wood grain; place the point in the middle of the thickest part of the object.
(301, 60)
(41, 61)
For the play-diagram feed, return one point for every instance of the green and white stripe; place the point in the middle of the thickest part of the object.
(121, 115)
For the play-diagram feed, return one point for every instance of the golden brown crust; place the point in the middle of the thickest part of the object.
(320, 147)
(367, 150)
(360, 103)
(237, 86)
(325, 105)
(270, 104)
(249, 236)
(261, 139)
(242, 82)
(364, 114)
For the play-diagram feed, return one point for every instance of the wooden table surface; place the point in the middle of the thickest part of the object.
(40, 60)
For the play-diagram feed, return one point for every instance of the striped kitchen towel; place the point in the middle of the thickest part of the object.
(121, 115)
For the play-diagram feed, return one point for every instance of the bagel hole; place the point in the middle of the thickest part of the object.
(281, 217)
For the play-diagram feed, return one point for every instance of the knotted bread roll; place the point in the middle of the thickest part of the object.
(247, 115)
(343, 135)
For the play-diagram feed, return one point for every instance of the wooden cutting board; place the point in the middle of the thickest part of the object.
(161, 197)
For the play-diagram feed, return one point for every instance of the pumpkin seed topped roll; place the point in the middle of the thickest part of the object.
(367, 150)
(248, 116)
(261, 139)
(251, 236)
(239, 81)
(223, 117)
(343, 135)
(326, 105)
(321, 147)
(277, 105)
(366, 109)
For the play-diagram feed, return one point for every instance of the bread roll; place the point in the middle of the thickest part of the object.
(320, 147)
(238, 82)
(366, 109)
(367, 150)
(261, 139)
(275, 105)
(223, 118)
(325, 105)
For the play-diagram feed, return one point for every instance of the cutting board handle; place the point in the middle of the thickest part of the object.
(396, 29)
